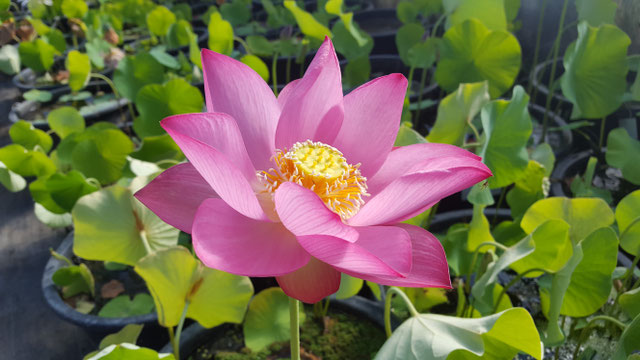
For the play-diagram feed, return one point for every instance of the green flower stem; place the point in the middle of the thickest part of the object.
(274, 75)
(145, 242)
(536, 52)
(600, 143)
(587, 329)
(628, 275)
(176, 340)
(511, 283)
(294, 321)
(423, 79)
(432, 213)
(116, 94)
(172, 338)
(410, 80)
(438, 23)
(387, 307)
(551, 88)
(475, 258)
(244, 44)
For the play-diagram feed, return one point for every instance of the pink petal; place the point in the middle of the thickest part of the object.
(283, 97)
(226, 240)
(380, 251)
(313, 109)
(311, 283)
(229, 182)
(303, 213)
(217, 130)
(402, 159)
(233, 88)
(371, 119)
(429, 268)
(420, 188)
(176, 194)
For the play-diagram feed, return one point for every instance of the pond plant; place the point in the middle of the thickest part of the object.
(284, 163)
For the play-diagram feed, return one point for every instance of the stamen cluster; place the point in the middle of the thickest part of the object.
(322, 169)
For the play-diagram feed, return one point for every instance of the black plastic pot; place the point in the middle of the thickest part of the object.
(382, 25)
(107, 113)
(96, 326)
(195, 335)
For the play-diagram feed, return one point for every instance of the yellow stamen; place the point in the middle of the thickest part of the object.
(322, 169)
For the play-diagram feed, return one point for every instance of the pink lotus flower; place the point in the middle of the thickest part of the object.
(307, 185)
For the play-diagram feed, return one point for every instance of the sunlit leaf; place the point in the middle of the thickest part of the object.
(174, 276)
(23, 133)
(37, 54)
(74, 8)
(26, 162)
(79, 67)
(307, 23)
(159, 20)
(628, 219)
(595, 80)
(65, 121)
(257, 65)
(349, 286)
(470, 52)
(220, 34)
(10, 180)
(134, 72)
(127, 351)
(490, 12)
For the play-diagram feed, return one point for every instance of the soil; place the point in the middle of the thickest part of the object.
(337, 337)
(132, 282)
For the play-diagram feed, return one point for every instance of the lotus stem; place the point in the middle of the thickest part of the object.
(176, 339)
(601, 141)
(587, 329)
(244, 44)
(423, 79)
(551, 88)
(475, 258)
(536, 52)
(511, 283)
(116, 94)
(387, 307)
(274, 75)
(628, 275)
(294, 321)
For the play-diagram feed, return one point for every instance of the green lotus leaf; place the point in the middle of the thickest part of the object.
(26, 162)
(257, 65)
(455, 246)
(74, 280)
(483, 288)
(139, 231)
(506, 128)
(408, 136)
(470, 52)
(628, 342)
(595, 80)
(584, 215)
(268, 319)
(553, 249)
(123, 306)
(408, 36)
(160, 54)
(422, 55)
(37, 54)
(628, 219)
(236, 12)
(127, 351)
(307, 23)
(479, 230)
(134, 72)
(155, 102)
(531, 187)
(351, 42)
(42, 96)
(128, 334)
(584, 284)
(630, 302)
(23, 133)
(56, 38)
(174, 277)
(158, 148)
(65, 120)
(79, 67)
(622, 152)
(438, 337)
(457, 110)
(10, 180)
(9, 59)
(159, 20)
(349, 286)
(66, 189)
(490, 12)
(51, 219)
(74, 8)
(220, 34)
(99, 153)
(179, 34)
(596, 12)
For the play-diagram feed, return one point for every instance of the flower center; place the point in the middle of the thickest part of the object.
(322, 169)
